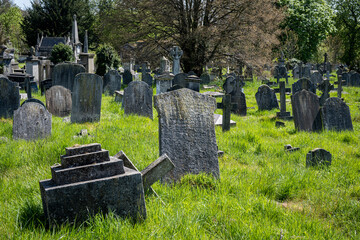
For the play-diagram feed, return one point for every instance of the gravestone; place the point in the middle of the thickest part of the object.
(127, 77)
(112, 82)
(187, 132)
(31, 121)
(179, 80)
(316, 77)
(355, 79)
(266, 98)
(306, 111)
(336, 115)
(58, 101)
(193, 82)
(205, 78)
(317, 157)
(89, 181)
(303, 83)
(325, 87)
(138, 99)
(86, 98)
(9, 97)
(296, 72)
(233, 86)
(283, 114)
(64, 74)
(164, 82)
(176, 54)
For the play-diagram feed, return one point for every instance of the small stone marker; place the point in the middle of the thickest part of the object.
(289, 148)
(317, 157)
(86, 98)
(58, 101)
(31, 121)
(266, 98)
(88, 181)
(303, 83)
(187, 132)
(127, 77)
(218, 120)
(138, 99)
(64, 74)
(9, 97)
(112, 82)
(336, 115)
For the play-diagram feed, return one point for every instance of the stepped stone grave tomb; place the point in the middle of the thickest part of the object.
(317, 157)
(31, 121)
(306, 111)
(112, 82)
(187, 132)
(58, 101)
(336, 115)
(86, 98)
(64, 74)
(9, 97)
(303, 83)
(138, 99)
(89, 181)
(266, 98)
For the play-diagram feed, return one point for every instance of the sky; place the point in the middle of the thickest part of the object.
(23, 4)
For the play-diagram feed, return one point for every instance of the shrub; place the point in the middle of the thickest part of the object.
(106, 58)
(61, 53)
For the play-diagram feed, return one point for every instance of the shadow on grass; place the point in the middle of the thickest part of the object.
(31, 216)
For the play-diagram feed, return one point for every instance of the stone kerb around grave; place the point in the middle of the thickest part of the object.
(64, 74)
(9, 97)
(187, 132)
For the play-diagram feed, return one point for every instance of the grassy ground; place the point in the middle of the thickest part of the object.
(263, 193)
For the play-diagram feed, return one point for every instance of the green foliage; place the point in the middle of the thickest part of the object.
(61, 53)
(312, 21)
(106, 59)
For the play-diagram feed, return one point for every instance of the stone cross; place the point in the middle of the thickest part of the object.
(28, 87)
(283, 114)
(86, 42)
(176, 54)
(325, 87)
(339, 89)
(227, 107)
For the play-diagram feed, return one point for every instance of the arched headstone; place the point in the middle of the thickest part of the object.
(64, 74)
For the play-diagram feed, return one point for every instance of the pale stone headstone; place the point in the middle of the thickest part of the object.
(64, 74)
(32, 121)
(336, 115)
(138, 99)
(164, 82)
(176, 54)
(58, 101)
(317, 157)
(266, 98)
(306, 111)
(9, 97)
(187, 132)
(86, 98)
(112, 82)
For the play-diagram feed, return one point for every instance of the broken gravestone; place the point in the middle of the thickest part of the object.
(266, 98)
(58, 101)
(187, 132)
(336, 115)
(9, 97)
(138, 99)
(317, 157)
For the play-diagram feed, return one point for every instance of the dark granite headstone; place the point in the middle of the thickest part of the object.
(179, 80)
(127, 77)
(31, 121)
(187, 132)
(138, 99)
(233, 87)
(112, 82)
(303, 83)
(86, 98)
(64, 74)
(306, 111)
(266, 98)
(355, 79)
(58, 101)
(9, 97)
(205, 78)
(316, 77)
(336, 115)
(317, 157)
(148, 79)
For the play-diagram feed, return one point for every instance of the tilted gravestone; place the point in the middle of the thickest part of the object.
(138, 99)
(58, 101)
(336, 115)
(86, 98)
(355, 79)
(317, 157)
(127, 77)
(9, 97)
(89, 181)
(112, 82)
(306, 111)
(64, 74)
(187, 132)
(303, 83)
(31, 121)
(266, 98)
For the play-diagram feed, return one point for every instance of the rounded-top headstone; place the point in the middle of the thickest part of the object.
(317, 157)
(64, 74)
(336, 115)
(112, 82)
(58, 101)
(179, 80)
(266, 98)
(303, 83)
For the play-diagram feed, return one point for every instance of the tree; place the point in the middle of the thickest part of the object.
(204, 29)
(348, 29)
(54, 18)
(61, 53)
(311, 21)
(106, 58)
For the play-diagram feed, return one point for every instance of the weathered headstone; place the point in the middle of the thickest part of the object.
(187, 132)
(89, 181)
(306, 111)
(86, 98)
(193, 82)
(127, 77)
(303, 83)
(179, 80)
(325, 87)
(112, 82)
(336, 115)
(316, 77)
(164, 82)
(176, 54)
(205, 78)
(138, 99)
(266, 98)
(355, 79)
(317, 157)
(58, 101)
(64, 74)
(233, 87)
(31, 121)
(9, 97)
